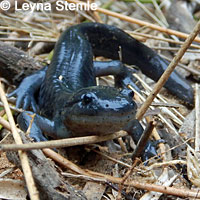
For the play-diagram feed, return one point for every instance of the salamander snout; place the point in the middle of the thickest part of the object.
(104, 101)
(100, 110)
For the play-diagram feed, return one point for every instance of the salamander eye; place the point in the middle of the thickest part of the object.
(86, 99)
(127, 92)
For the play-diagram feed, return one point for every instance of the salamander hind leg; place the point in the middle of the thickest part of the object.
(135, 130)
(122, 74)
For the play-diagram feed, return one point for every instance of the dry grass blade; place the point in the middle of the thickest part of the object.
(197, 120)
(149, 13)
(111, 158)
(157, 100)
(193, 71)
(160, 13)
(193, 169)
(139, 22)
(29, 39)
(173, 49)
(24, 26)
(22, 155)
(134, 33)
(160, 115)
(166, 164)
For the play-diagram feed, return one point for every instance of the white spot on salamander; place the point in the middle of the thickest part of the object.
(60, 77)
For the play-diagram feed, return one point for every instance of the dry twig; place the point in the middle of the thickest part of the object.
(111, 158)
(22, 155)
(62, 142)
(143, 140)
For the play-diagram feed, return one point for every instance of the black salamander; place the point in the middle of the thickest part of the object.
(70, 103)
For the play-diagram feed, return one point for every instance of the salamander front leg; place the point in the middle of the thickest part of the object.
(55, 129)
(38, 127)
(27, 89)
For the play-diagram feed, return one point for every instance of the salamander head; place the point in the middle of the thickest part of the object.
(98, 110)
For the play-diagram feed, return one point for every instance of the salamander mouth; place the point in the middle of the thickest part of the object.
(99, 124)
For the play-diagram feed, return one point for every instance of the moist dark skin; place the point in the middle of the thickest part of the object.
(70, 103)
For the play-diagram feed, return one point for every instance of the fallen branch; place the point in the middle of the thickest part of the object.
(16, 64)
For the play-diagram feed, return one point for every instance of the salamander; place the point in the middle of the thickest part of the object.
(69, 103)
